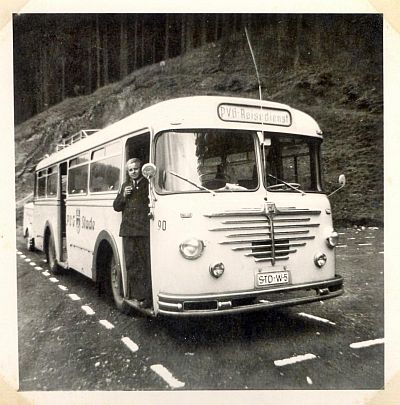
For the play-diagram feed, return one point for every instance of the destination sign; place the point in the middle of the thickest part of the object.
(254, 115)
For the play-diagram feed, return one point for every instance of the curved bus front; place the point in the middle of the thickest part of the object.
(259, 248)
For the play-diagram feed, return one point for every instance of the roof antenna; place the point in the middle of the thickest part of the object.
(254, 61)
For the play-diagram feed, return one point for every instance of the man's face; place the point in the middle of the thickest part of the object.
(134, 170)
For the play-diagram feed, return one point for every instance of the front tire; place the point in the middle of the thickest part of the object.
(114, 270)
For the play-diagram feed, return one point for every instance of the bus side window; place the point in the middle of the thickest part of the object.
(41, 190)
(104, 174)
(52, 182)
(77, 179)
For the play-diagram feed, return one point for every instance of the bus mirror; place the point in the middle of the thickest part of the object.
(149, 170)
(342, 182)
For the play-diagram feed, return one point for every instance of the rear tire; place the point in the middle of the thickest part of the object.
(30, 242)
(114, 271)
(51, 256)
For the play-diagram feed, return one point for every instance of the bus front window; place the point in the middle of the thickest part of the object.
(220, 160)
(292, 164)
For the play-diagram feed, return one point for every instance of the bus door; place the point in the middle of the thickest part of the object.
(63, 212)
(137, 146)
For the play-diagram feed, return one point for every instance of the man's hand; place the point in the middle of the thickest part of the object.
(127, 191)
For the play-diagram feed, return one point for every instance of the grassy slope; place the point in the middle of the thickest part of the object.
(347, 105)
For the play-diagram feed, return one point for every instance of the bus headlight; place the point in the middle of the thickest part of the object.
(333, 239)
(320, 259)
(191, 248)
(217, 270)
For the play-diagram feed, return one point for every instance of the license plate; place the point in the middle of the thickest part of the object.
(267, 279)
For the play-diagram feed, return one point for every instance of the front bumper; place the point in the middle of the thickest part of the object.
(246, 301)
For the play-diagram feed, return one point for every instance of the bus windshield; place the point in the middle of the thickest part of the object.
(291, 163)
(219, 160)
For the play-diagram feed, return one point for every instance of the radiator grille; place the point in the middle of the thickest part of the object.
(266, 234)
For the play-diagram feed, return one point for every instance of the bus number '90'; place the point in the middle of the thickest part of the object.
(162, 225)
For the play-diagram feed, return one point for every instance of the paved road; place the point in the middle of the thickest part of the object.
(72, 339)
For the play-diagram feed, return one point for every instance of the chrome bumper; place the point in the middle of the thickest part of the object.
(246, 301)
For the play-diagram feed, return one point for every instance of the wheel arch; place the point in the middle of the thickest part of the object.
(104, 238)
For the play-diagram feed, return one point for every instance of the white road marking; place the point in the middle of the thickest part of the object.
(367, 343)
(46, 273)
(23, 256)
(364, 244)
(316, 318)
(341, 245)
(350, 238)
(62, 287)
(381, 253)
(27, 259)
(53, 280)
(167, 376)
(369, 237)
(74, 297)
(295, 359)
(373, 227)
(32, 263)
(38, 268)
(107, 324)
(341, 233)
(132, 346)
(309, 380)
(44, 260)
(88, 310)
(19, 253)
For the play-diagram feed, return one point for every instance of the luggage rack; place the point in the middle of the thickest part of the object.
(83, 133)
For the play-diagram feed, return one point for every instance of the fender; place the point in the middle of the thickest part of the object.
(104, 235)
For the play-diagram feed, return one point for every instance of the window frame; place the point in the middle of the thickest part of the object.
(257, 155)
(117, 153)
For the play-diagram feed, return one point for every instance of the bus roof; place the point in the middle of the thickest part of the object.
(198, 112)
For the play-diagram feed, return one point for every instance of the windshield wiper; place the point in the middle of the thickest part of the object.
(290, 185)
(191, 182)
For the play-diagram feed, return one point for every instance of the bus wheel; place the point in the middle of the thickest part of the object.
(30, 242)
(51, 256)
(117, 287)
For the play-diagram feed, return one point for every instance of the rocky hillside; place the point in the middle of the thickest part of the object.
(344, 97)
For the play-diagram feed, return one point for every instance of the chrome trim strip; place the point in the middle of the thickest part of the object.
(271, 252)
(271, 259)
(250, 228)
(255, 307)
(260, 211)
(251, 247)
(296, 225)
(238, 235)
(233, 242)
(170, 305)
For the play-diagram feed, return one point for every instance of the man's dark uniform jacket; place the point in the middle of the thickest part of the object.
(134, 207)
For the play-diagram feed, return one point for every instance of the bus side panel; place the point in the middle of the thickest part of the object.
(84, 221)
(46, 214)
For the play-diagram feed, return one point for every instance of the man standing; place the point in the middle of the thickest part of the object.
(133, 201)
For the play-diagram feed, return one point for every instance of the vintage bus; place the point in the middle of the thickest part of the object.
(238, 217)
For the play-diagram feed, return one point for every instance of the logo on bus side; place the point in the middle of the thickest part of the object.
(75, 221)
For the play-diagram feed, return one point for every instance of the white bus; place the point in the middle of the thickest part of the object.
(238, 217)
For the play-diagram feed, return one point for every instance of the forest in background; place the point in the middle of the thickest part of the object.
(75, 54)
(329, 66)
